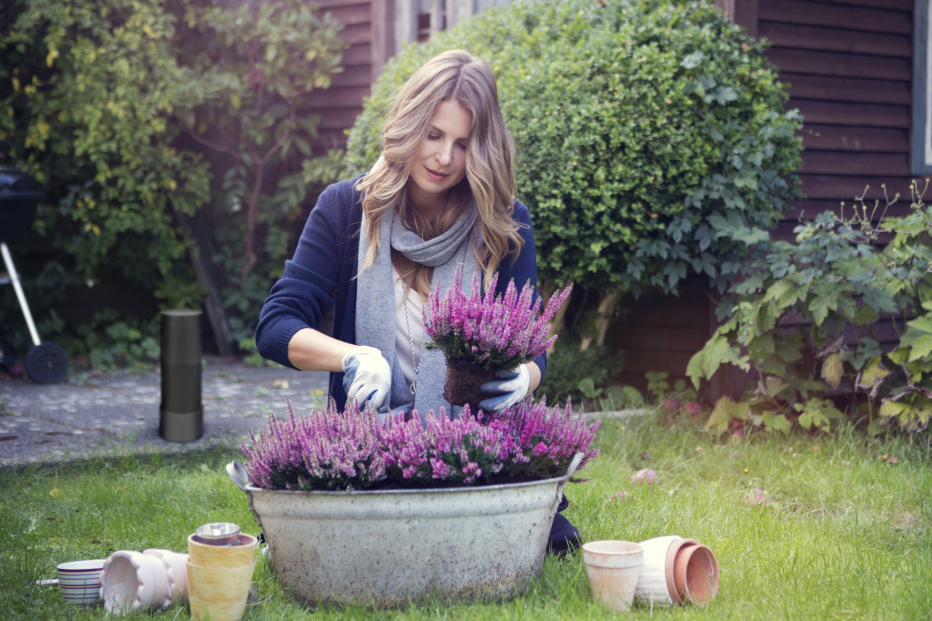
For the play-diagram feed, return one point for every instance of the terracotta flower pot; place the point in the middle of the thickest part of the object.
(613, 568)
(464, 380)
(696, 574)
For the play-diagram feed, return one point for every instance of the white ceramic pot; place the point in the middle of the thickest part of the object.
(387, 548)
(132, 581)
(174, 563)
(613, 568)
(655, 585)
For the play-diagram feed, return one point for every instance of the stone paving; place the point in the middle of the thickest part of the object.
(94, 413)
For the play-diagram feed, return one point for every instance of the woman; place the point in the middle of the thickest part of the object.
(441, 194)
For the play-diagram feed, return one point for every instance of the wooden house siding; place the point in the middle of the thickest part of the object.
(849, 67)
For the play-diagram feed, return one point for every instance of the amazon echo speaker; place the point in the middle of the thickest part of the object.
(181, 415)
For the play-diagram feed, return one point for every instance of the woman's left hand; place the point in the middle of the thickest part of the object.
(510, 387)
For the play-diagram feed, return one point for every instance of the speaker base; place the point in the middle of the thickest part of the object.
(181, 427)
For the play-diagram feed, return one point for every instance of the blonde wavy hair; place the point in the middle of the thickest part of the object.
(456, 76)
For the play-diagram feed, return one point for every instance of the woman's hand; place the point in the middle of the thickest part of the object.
(367, 377)
(510, 387)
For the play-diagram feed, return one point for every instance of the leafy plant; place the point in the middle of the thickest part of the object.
(124, 109)
(652, 138)
(806, 320)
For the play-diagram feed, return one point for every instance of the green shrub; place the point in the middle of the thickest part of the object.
(804, 321)
(579, 375)
(651, 136)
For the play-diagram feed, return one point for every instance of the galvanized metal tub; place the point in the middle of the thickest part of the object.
(386, 548)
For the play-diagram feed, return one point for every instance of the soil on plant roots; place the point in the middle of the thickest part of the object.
(464, 381)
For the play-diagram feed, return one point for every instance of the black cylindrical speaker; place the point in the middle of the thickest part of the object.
(181, 415)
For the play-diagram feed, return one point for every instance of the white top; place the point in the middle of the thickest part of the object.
(415, 319)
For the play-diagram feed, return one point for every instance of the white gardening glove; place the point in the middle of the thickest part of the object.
(512, 386)
(367, 378)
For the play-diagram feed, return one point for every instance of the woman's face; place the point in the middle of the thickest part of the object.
(441, 161)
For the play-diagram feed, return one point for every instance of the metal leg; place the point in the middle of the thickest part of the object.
(14, 278)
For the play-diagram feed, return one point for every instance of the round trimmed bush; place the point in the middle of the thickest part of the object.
(651, 135)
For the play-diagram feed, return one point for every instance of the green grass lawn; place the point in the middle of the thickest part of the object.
(847, 534)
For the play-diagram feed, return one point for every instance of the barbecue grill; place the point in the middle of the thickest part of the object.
(19, 196)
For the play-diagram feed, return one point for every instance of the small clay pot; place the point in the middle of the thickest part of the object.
(218, 593)
(613, 568)
(464, 381)
(695, 572)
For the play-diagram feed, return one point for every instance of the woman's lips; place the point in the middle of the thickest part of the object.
(434, 175)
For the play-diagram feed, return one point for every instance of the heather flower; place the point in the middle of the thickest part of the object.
(353, 449)
(496, 332)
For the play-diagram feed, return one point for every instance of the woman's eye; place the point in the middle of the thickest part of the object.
(461, 145)
(433, 137)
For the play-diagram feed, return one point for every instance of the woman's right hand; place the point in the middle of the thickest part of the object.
(367, 377)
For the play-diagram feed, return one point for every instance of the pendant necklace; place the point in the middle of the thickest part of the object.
(417, 367)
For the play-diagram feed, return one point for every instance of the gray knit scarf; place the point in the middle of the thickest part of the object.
(375, 302)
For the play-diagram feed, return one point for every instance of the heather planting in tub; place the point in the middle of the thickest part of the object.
(353, 450)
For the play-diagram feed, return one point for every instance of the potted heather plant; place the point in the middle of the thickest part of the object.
(361, 510)
(482, 333)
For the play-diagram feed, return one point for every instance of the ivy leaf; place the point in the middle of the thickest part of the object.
(706, 361)
(817, 413)
(832, 370)
(725, 411)
(918, 337)
(873, 373)
(824, 299)
(777, 422)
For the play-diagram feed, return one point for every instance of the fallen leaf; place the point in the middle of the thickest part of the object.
(280, 383)
(55, 493)
(645, 476)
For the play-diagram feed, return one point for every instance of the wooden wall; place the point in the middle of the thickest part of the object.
(849, 67)
(367, 32)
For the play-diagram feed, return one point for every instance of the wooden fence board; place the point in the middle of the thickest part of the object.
(848, 163)
(846, 188)
(835, 40)
(839, 64)
(353, 76)
(820, 14)
(842, 113)
(897, 5)
(337, 97)
(804, 86)
(855, 138)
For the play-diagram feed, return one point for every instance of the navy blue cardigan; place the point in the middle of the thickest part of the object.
(322, 274)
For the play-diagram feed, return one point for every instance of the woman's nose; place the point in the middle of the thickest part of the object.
(445, 154)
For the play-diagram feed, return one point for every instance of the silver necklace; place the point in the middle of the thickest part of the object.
(417, 367)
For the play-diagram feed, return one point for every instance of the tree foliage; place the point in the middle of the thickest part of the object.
(102, 101)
